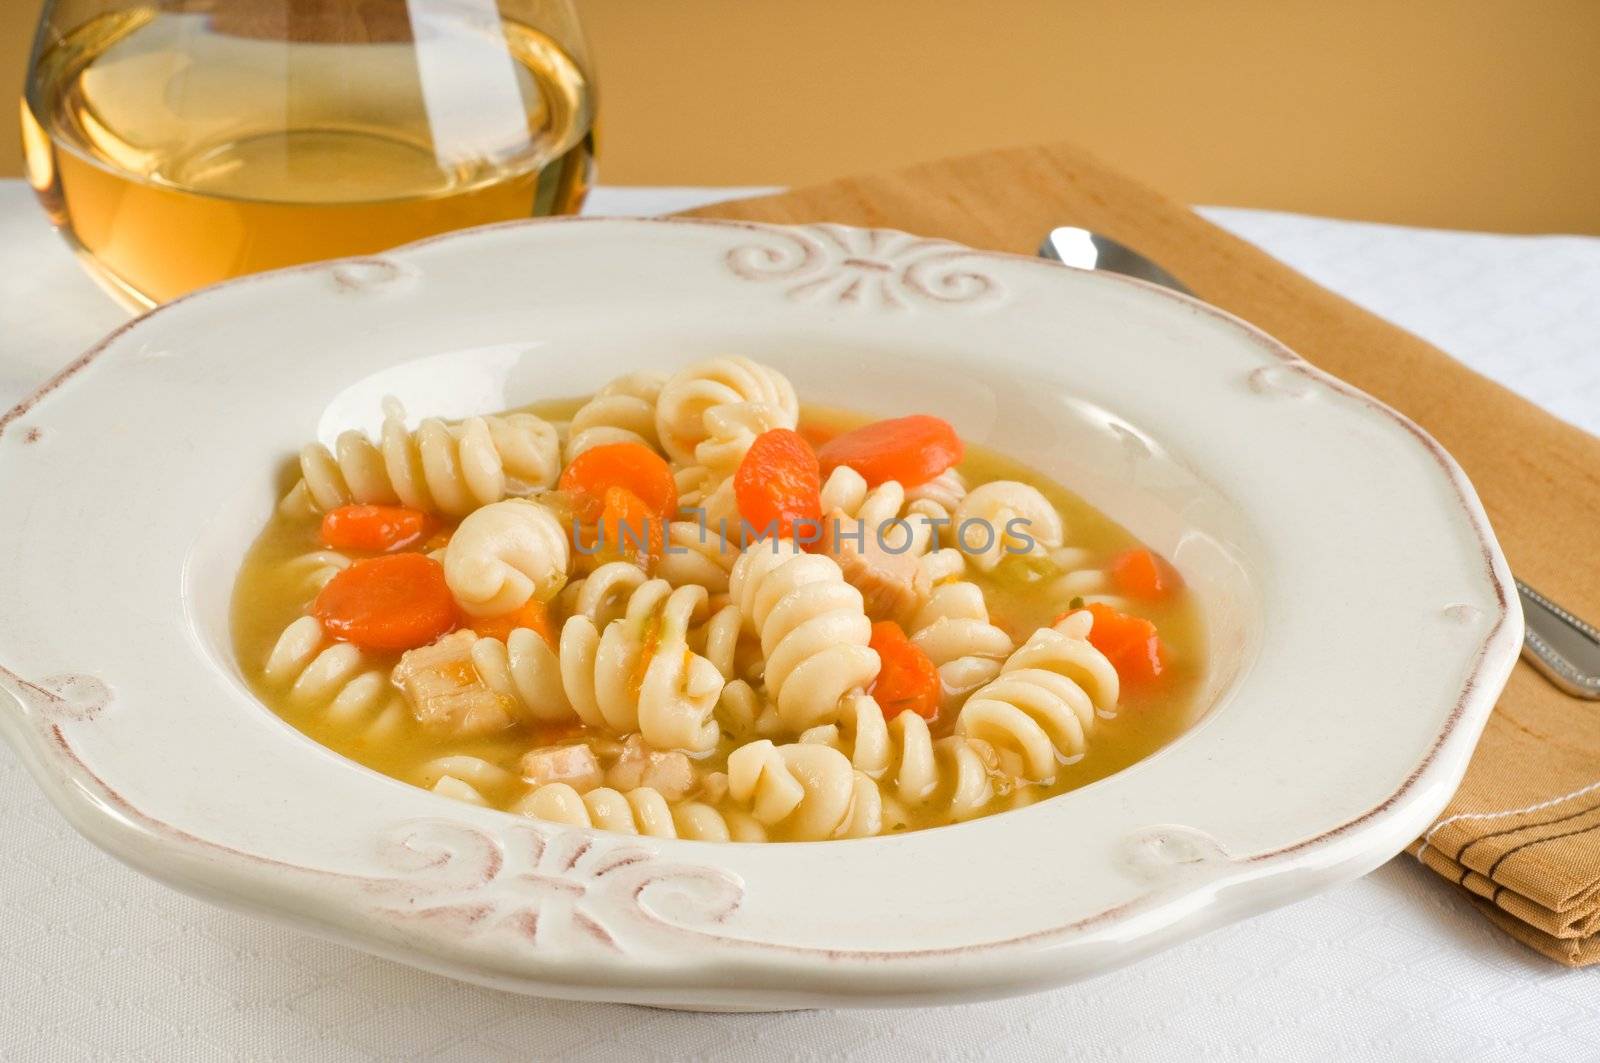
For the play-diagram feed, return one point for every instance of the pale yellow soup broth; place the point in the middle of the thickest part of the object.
(273, 591)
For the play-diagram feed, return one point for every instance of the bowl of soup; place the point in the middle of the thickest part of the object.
(718, 615)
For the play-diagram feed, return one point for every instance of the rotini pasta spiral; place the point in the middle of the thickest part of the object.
(846, 491)
(881, 511)
(465, 778)
(638, 811)
(812, 627)
(744, 714)
(1077, 576)
(458, 790)
(718, 639)
(334, 676)
(526, 671)
(1043, 704)
(955, 773)
(945, 491)
(602, 595)
(954, 630)
(639, 674)
(807, 792)
(695, 483)
(439, 467)
(932, 505)
(719, 510)
(624, 411)
(708, 687)
(505, 554)
(1005, 517)
(696, 554)
(729, 431)
(707, 486)
(943, 566)
(687, 395)
(316, 568)
(601, 653)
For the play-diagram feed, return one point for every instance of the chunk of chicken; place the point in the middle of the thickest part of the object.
(446, 692)
(893, 585)
(713, 788)
(574, 765)
(639, 765)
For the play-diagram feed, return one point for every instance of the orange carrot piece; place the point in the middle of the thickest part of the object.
(1130, 643)
(911, 450)
(393, 602)
(633, 466)
(778, 485)
(533, 615)
(629, 529)
(907, 679)
(1142, 574)
(375, 528)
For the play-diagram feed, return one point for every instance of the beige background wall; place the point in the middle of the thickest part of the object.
(1479, 114)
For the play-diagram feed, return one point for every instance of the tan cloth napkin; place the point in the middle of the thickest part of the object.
(1523, 833)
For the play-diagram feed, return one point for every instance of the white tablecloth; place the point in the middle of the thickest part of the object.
(97, 962)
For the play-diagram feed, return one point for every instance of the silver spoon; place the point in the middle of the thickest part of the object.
(1563, 647)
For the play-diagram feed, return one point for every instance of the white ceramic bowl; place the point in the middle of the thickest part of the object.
(1358, 616)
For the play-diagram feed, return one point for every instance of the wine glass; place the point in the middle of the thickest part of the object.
(176, 143)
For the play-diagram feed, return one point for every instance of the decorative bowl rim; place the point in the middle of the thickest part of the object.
(54, 705)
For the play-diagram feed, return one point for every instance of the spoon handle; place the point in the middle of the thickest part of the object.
(1560, 645)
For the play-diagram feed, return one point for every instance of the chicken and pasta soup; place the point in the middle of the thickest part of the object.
(691, 607)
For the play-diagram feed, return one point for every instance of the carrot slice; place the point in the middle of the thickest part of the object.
(533, 615)
(911, 450)
(1130, 643)
(778, 485)
(393, 602)
(1142, 574)
(628, 529)
(907, 679)
(633, 466)
(375, 528)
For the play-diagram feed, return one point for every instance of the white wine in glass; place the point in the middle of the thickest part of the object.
(176, 144)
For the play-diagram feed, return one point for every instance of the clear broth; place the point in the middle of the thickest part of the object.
(270, 594)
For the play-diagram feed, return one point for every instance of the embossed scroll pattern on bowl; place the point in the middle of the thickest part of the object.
(877, 269)
(536, 883)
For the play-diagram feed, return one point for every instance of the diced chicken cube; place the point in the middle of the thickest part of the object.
(893, 585)
(639, 765)
(446, 692)
(713, 788)
(574, 765)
